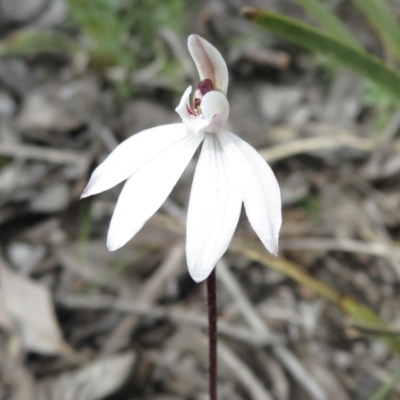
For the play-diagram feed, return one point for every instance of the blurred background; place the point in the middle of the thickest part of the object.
(320, 322)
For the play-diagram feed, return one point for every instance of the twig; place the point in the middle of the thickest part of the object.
(174, 43)
(172, 209)
(279, 381)
(242, 301)
(348, 245)
(240, 370)
(149, 72)
(294, 147)
(243, 374)
(172, 314)
(267, 57)
(105, 134)
(374, 166)
(149, 294)
(383, 235)
(50, 155)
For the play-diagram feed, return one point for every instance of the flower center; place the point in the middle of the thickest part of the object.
(203, 87)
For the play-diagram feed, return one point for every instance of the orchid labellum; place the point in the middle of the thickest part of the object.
(229, 172)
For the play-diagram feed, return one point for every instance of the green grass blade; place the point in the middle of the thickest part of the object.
(328, 21)
(369, 319)
(361, 314)
(384, 21)
(385, 390)
(314, 39)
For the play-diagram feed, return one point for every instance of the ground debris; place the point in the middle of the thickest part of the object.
(78, 322)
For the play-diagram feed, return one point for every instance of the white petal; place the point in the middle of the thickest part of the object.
(146, 190)
(215, 112)
(131, 154)
(214, 209)
(194, 123)
(261, 193)
(215, 108)
(209, 62)
(184, 104)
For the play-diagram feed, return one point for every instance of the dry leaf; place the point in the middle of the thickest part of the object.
(30, 306)
(23, 383)
(93, 382)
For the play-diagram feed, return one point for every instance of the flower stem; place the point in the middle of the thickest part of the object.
(212, 333)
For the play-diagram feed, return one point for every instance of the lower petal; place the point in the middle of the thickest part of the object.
(146, 190)
(214, 209)
(261, 193)
(131, 154)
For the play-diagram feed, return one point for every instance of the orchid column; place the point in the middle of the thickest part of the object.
(229, 172)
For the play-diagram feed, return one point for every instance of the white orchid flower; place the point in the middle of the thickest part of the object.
(229, 172)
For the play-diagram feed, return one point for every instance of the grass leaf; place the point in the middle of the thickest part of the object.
(361, 314)
(369, 319)
(385, 390)
(328, 21)
(384, 22)
(315, 40)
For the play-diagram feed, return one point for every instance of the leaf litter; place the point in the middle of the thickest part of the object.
(79, 323)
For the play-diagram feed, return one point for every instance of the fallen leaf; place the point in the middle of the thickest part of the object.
(93, 382)
(30, 306)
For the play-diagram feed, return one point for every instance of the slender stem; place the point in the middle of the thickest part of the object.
(212, 332)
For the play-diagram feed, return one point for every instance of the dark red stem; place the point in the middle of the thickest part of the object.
(212, 332)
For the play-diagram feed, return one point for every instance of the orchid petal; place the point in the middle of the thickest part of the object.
(193, 123)
(215, 108)
(214, 209)
(184, 105)
(261, 193)
(146, 190)
(209, 62)
(196, 124)
(131, 154)
(215, 112)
